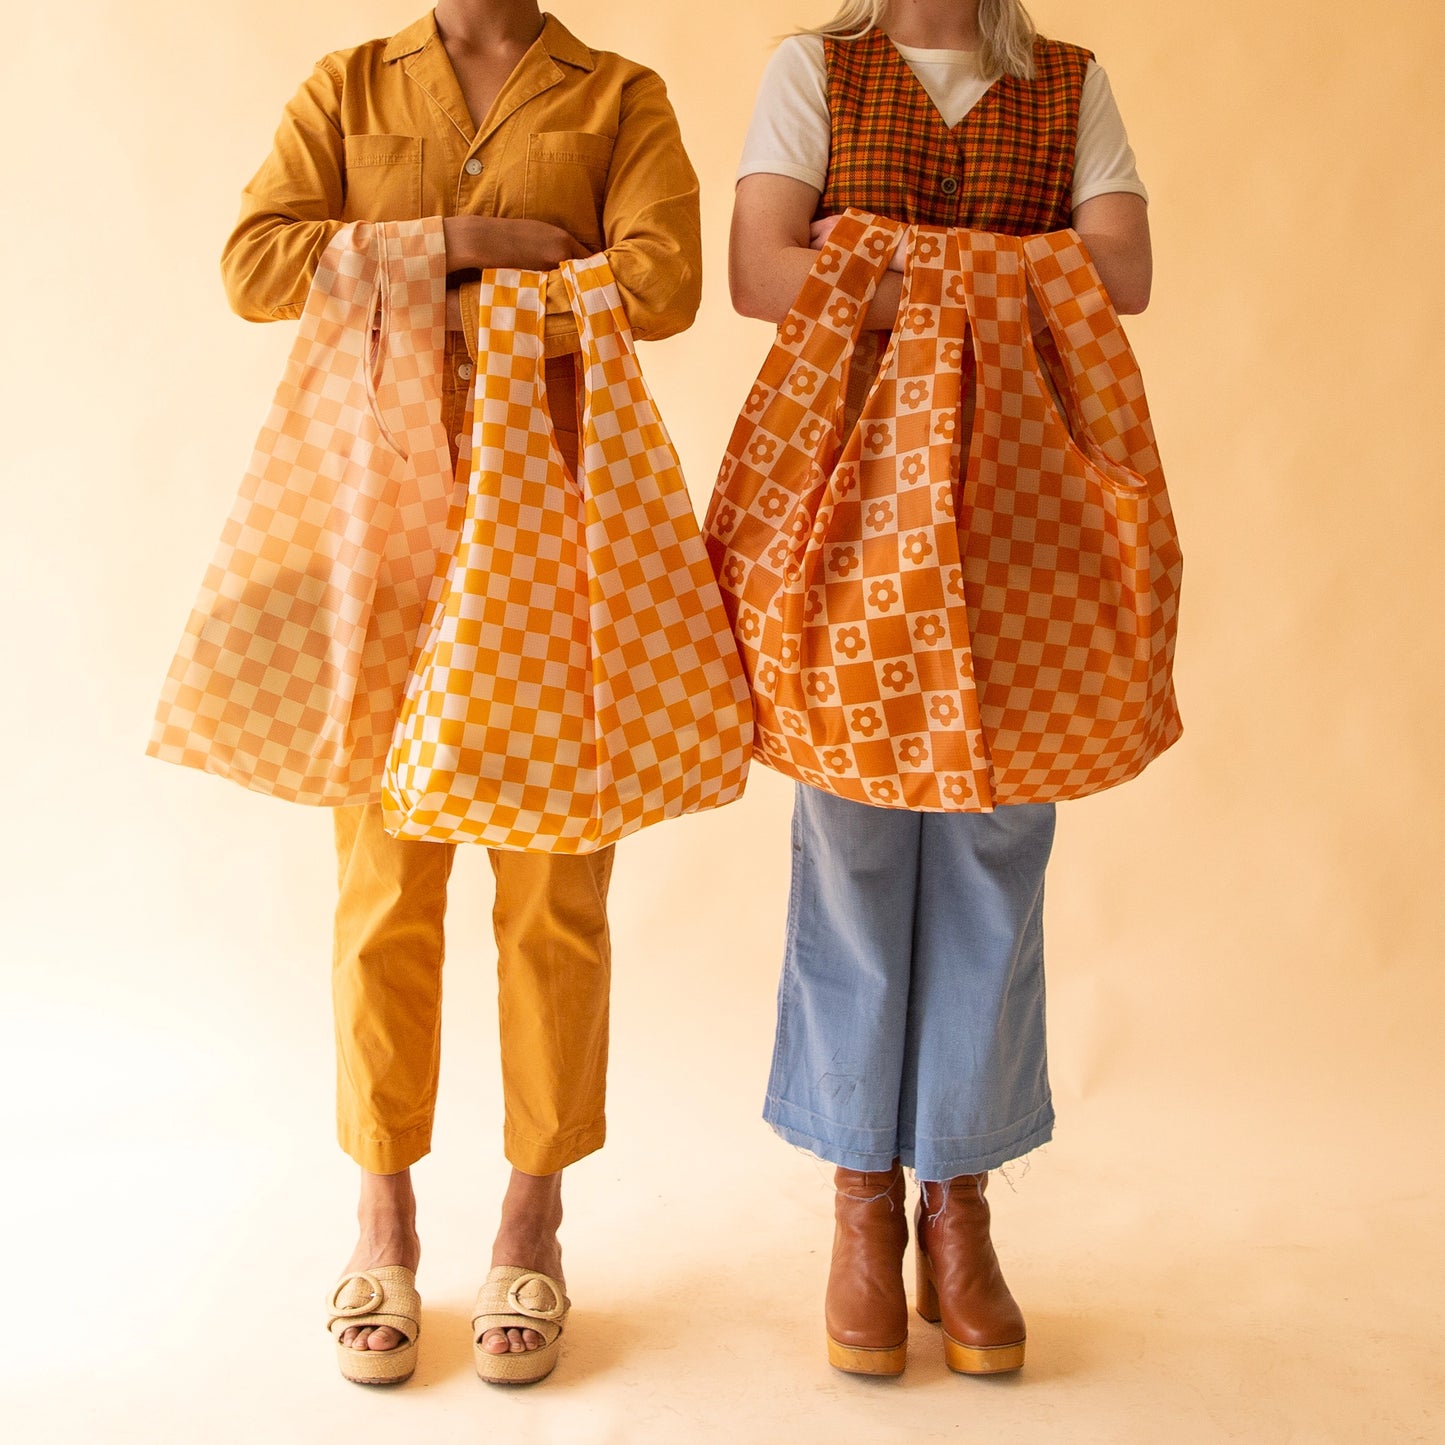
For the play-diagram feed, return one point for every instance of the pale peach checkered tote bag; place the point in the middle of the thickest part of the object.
(969, 599)
(297, 652)
(578, 679)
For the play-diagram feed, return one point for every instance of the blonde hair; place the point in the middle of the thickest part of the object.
(1004, 27)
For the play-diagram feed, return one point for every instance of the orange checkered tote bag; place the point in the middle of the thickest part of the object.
(579, 678)
(969, 599)
(297, 652)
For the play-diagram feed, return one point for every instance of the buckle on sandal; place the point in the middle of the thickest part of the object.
(347, 1312)
(514, 1301)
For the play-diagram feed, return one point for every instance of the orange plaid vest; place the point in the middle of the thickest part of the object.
(1007, 166)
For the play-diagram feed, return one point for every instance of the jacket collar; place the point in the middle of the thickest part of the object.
(555, 39)
(562, 45)
(416, 36)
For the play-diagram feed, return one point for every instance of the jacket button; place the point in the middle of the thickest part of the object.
(465, 371)
(473, 167)
(949, 185)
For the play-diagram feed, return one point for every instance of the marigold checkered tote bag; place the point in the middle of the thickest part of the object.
(298, 649)
(578, 678)
(970, 599)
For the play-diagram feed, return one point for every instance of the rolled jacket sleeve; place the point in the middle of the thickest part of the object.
(290, 209)
(651, 223)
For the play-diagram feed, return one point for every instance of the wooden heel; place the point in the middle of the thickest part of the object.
(982, 1359)
(864, 1360)
(926, 1295)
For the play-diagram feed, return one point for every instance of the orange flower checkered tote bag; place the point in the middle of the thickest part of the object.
(579, 679)
(297, 652)
(968, 600)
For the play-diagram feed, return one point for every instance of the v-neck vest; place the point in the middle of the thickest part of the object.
(1007, 166)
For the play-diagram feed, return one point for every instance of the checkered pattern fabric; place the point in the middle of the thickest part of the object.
(297, 652)
(1007, 166)
(970, 600)
(579, 679)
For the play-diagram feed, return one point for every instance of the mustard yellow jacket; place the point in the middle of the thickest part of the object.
(578, 137)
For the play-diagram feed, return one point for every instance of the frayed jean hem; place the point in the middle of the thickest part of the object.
(940, 1159)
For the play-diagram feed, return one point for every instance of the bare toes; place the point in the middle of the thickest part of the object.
(512, 1341)
(383, 1338)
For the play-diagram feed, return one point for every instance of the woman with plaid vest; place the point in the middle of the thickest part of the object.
(911, 1007)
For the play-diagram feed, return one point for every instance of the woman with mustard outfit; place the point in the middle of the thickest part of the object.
(911, 1007)
(536, 149)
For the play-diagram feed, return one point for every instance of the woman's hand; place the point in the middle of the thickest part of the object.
(481, 243)
(773, 249)
(821, 230)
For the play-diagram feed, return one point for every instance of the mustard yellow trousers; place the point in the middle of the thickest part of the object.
(554, 971)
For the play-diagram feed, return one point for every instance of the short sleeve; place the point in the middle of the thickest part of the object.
(791, 133)
(1103, 158)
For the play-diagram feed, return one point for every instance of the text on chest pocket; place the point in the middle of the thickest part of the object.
(383, 178)
(567, 182)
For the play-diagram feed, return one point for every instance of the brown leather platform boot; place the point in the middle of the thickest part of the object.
(867, 1309)
(960, 1282)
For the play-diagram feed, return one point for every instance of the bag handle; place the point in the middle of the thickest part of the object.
(596, 305)
(376, 340)
(405, 267)
(932, 312)
(1093, 379)
(602, 327)
(1002, 330)
(822, 328)
(604, 334)
(511, 351)
(1106, 404)
(853, 260)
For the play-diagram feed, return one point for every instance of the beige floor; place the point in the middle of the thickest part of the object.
(1213, 1249)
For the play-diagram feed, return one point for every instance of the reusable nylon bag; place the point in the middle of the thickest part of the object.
(969, 600)
(579, 679)
(297, 652)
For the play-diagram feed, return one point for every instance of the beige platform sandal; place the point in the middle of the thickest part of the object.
(513, 1298)
(385, 1296)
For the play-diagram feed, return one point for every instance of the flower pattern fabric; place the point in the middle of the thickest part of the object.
(994, 578)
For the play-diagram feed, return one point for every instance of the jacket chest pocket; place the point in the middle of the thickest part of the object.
(567, 182)
(383, 178)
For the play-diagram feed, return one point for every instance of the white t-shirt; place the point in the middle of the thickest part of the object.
(790, 134)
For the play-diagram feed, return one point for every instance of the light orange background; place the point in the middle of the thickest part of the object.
(1236, 1233)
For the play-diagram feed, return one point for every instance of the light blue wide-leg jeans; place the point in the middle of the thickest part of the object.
(911, 1006)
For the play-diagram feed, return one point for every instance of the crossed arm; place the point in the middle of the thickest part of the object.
(771, 249)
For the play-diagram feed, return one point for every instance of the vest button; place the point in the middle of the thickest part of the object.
(949, 185)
